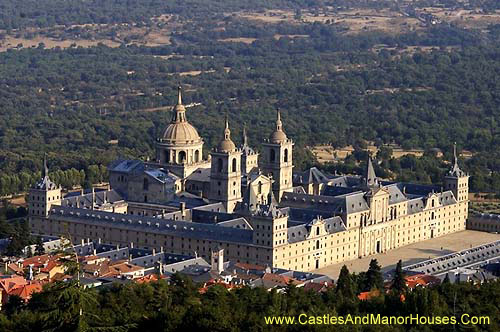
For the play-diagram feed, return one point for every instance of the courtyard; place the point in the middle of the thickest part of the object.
(416, 252)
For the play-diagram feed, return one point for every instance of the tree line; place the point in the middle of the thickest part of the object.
(178, 305)
(21, 182)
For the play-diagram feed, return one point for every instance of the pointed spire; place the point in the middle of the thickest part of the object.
(370, 178)
(279, 124)
(455, 159)
(45, 182)
(45, 168)
(179, 95)
(245, 138)
(455, 170)
(179, 109)
(227, 132)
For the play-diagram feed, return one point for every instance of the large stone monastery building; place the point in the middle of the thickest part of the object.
(250, 204)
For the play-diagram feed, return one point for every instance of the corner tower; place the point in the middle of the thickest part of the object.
(41, 197)
(225, 172)
(277, 159)
(457, 180)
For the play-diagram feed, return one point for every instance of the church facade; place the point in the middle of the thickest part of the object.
(253, 205)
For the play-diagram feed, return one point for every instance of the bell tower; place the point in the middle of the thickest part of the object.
(225, 172)
(277, 159)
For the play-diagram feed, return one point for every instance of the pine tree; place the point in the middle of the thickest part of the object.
(374, 279)
(345, 283)
(399, 282)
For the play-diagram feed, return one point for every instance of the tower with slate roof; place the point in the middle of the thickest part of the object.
(41, 197)
(457, 180)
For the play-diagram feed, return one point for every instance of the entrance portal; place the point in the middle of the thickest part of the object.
(378, 247)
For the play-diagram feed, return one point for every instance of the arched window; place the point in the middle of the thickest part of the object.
(145, 184)
(234, 165)
(197, 156)
(286, 155)
(167, 156)
(273, 155)
(317, 244)
(182, 157)
(219, 165)
(259, 190)
(317, 230)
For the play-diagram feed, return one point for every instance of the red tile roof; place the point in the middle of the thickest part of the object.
(149, 278)
(36, 261)
(421, 280)
(25, 291)
(365, 296)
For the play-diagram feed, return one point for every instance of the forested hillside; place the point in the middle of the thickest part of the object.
(425, 88)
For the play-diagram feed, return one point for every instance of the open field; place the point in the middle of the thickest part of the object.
(417, 252)
(12, 42)
(471, 19)
(88, 35)
(390, 21)
(326, 153)
(352, 21)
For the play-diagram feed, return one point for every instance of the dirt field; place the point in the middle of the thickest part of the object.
(11, 42)
(417, 252)
(361, 20)
(470, 19)
(18, 201)
(238, 40)
(326, 153)
(355, 21)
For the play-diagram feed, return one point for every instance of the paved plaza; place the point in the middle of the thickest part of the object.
(416, 252)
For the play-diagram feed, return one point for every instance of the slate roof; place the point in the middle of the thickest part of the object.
(311, 175)
(151, 224)
(301, 232)
(126, 166)
(162, 176)
(100, 198)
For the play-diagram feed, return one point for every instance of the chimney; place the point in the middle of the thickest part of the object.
(117, 247)
(154, 251)
(183, 208)
(95, 252)
(132, 245)
(99, 240)
(83, 242)
(93, 198)
(88, 240)
(161, 249)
